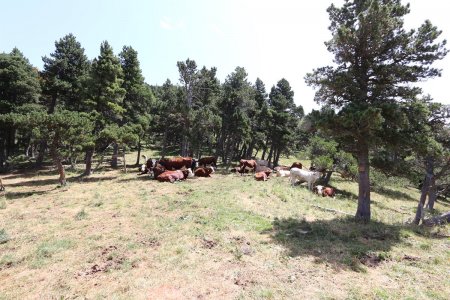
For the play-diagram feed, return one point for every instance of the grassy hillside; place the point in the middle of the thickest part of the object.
(122, 236)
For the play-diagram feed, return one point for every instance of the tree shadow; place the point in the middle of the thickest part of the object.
(342, 242)
(21, 195)
(55, 181)
(137, 178)
(392, 193)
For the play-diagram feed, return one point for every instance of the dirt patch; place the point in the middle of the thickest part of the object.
(372, 260)
(110, 259)
(208, 243)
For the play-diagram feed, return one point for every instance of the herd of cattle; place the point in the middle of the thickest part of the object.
(180, 168)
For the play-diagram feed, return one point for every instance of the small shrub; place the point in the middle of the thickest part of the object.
(81, 215)
(4, 237)
(2, 204)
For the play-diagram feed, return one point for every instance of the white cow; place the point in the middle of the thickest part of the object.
(304, 175)
(283, 173)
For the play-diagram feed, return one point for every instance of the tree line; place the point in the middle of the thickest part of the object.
(75, 107)
(373, 115)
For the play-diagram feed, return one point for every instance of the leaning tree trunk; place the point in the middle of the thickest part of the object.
(57, 161)
(424, 191)
(115, 156)
(432, 193)
(363, 210)
(88, 161)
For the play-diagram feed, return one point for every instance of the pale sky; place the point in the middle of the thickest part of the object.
(270, 39)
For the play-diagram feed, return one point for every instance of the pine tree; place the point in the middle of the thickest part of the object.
(64, 73)
(377, 63)
(106, 97)
(19, 85)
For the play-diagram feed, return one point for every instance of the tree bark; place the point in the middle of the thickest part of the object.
(424, 191)
(88, 160)
(57, 161)
(327, 178)
(432, 193)
(41, 153)
(363, 210)
(115, 156)
(124, 161)
(138, 158)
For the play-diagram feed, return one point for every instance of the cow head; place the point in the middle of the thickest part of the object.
(318, 189)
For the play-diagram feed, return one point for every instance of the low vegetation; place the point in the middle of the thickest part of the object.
(126, 236)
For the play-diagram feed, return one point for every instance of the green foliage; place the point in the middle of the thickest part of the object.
(64, 75)
(369, 95)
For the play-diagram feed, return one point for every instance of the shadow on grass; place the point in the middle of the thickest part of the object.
(144, 177)
(21, 195)
(342, 242)
(392, 193)
(55, 181)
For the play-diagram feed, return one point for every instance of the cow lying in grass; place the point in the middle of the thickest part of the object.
(304, 175)
(324, 191)
(263, 175)
(283, 173)
(172, 176)
(204, 171)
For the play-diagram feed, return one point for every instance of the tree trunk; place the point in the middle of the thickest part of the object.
(277, 158)
(57, 161)
(424, 191)
(138, 158)
(269, 158)
(41, 153)
(88, 161)
(115, 156)
(265, 148)
(327, 178)
(124, 161)
(363, 210)
(432, 193)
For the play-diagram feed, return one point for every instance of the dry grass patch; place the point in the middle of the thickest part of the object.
(119, 235)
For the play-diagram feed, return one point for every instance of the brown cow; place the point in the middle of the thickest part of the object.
(324, 191)
(296, 165)
(207, 160)
(172, 176)
(176, 163)
(157, 170)
(204, 171)
(247, 164)
(261, 176)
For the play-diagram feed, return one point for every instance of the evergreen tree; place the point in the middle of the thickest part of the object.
(376, 63)
(106, 97)
(139, 97)
(19, 85)
(64, 73)
(283, 119)
(236, 103)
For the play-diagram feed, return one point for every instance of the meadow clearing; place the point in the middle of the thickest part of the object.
(122, 236)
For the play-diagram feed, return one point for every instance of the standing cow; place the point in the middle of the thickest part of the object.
(207, 160)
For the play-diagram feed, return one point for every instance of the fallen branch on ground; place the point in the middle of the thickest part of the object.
(332, 210)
